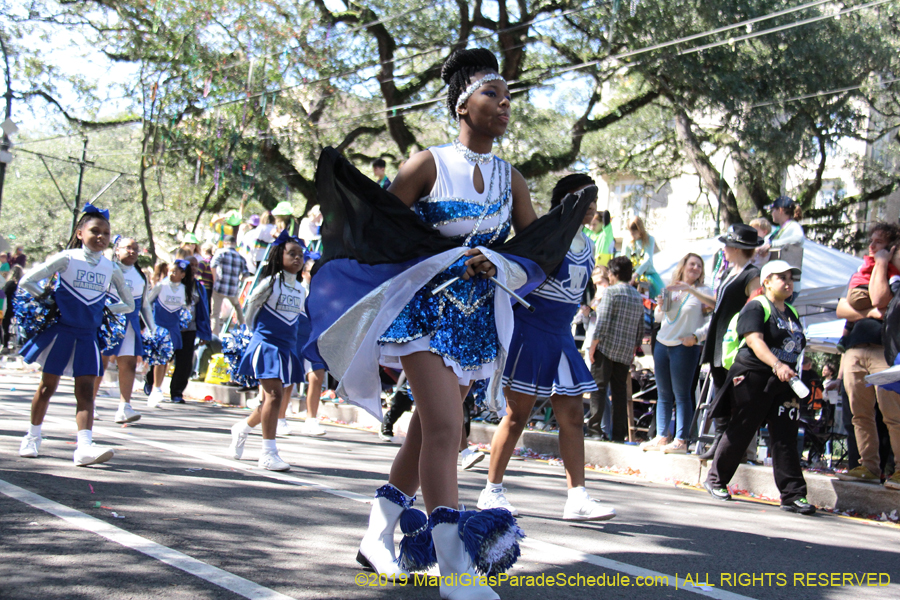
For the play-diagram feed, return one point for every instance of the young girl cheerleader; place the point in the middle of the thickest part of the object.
(130, 348)
(315, 374)
(169, 297)
(543, 360)
(199, 327)
(273, 309)
(443, 336)
(69, 347)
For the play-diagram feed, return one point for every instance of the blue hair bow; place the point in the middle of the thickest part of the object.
(284, 237)
(182, 264)
(311, 255)
(90, 209)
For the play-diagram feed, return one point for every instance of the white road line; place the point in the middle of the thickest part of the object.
(543, 552)
(190, 565)
(554, 554)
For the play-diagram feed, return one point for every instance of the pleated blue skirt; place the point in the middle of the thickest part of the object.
(65, 351)
(263, 360)
(545, 364)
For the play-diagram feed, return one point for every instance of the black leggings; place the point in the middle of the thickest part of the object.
(760, 397)
(184, 364)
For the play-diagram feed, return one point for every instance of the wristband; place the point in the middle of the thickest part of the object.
(775, 367)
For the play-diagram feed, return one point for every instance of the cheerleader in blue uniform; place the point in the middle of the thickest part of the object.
(125, 255)
(444, 342)
(169, 297)
(69, 347)
(274, 310)
(544, 361)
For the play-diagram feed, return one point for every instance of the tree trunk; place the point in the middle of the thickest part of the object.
(708, 173)
(145, 196)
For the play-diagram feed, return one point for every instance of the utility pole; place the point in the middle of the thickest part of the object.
(8, 125)
(81, 166)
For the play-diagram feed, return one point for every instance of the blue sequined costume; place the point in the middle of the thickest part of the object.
(459, 323)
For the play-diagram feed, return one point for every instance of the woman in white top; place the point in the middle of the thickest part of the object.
(677, 354)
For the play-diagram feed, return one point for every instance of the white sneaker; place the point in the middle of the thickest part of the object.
(270, 461)
(311, 427)
(284, 428)
(585, 508)
(92, 455)
(471, 459)
(126, 414)
(495, 499)
(238, 439)
(155, 397)
(30, 446)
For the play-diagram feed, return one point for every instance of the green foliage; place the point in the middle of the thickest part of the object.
(231, 102)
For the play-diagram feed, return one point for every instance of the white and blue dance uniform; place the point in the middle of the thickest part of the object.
(468, 324)
(168, 299)
(458, 324)
(69, 347)
(543, 359)
(274, 309)
(131, 344)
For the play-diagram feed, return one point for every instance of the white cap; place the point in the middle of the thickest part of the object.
(777, 266)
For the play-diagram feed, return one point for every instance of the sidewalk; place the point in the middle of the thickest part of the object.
(824, 491)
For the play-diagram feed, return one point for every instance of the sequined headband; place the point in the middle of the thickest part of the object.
(467, 93)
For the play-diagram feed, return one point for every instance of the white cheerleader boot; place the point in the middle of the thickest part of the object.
(376, 551)
(459, 581)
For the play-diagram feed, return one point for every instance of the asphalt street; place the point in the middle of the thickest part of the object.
(173, 516)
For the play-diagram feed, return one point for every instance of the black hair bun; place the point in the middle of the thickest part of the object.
(476, 59)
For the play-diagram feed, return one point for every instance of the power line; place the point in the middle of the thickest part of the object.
(420, 105)
(75, 162)
(818, 94)
(584, 65)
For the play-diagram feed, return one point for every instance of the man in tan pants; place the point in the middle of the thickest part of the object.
(866, 356)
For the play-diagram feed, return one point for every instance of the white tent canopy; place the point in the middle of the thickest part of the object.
(826, 272)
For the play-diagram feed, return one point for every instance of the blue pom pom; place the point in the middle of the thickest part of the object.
(416, 548)
(184, 318)
(233, 346)
(34, 315)
(491, 538)
(158, 347)
(112, 330)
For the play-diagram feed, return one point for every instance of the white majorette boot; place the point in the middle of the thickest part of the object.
(376, 551)
(471, 545)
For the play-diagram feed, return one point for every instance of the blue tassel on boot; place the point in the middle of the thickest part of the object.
(491, 538)
(416, 547)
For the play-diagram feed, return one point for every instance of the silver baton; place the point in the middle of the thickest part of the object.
(514, 295)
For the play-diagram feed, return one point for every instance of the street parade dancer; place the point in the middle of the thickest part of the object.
(127, 351)
(273, 310)
(418, 290)
(70, 346)
(544, 361)
(169, 298)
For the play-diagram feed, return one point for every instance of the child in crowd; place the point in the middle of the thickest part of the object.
(763, 228)
(69, 346)
(858, 294)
